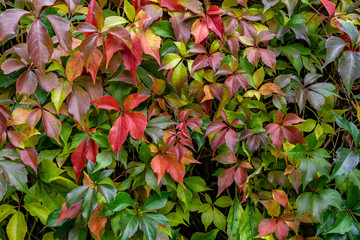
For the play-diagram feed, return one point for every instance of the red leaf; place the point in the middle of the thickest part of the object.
(231, 139)
(214, 126)
(266, 227)
(159, 164)
(48, 82)
(63, 31)
(132, 59)
(94, 64)
(71, 212)
(52, 125)
(200, 30)
(293, 135)
(112, 45)
(279, 116)
(78, 159)
(136, 122)
(277, 136)
(87, 47)
(150, 43)
(27, 82)
(95, 15)
(291, 119)
(72, 4)
(78, 103)
(91, 150)
(175, 169)
(133, 100)
(29, 157)
(181, 26)
(38, 5)
(9, 20)
(218, 140)
(330, 7)
(118, 133)
(214, 10)
(123, 35)
(12, 65)
(217, 90)
(268, 57)
(234, 82)
(200, 62)
(96, 223)
(225, 179)
(215, 60)
(253, 56)
(240, 178)
(40, 45)
(214, 23)
(281, 197)
(226, 158)
(172, 5)
(34, 117)
(282, 230)
(106, 102)
(17, 138)
(74, 66)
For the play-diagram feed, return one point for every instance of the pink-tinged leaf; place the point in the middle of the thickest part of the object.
(215, 60)
(218, 140)
(132, 59)
(9, 20)
(217, 90)
(78, 159)
(231, 139)
(106, 102)
(40, 45)
(265, 36)
(78, 103)
(215, 10)
(279, 116)
(281, 197)
(118, 134)
(85, 27)
(150, 43)
(29, 157)
(253, 56)
(330, 7)
(268, 57)
(175, 169)
(234, 82)
(27, 82)
(88, 46)
(291, 119)
(233, 45)
(136, 122)
(240, 176)
(181, 26)
(52, 125)
(112, 45)
(95, 91)
(159, 164)
(71, 212)
(74, 67)
(95, 15)
(18, 116)
(226, 158)
(172, 5)
(154, 12)
(214, 126)
(17, 139)
(34, 117)
(94, 64)
(282, 230)
(266, 227)
(200, 30)
(277, 136)
(123, 35)
(216, 25)
(248, 30)
(48, 82)
(293, 135)
(72, 4)
(225, 179)
(193, 5)
(63, 31)
(39, 4)
(91, 150)
(12, 65)
(133, 100)
(96, 223)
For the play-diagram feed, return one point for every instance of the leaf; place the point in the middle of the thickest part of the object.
(132, 56)
(52, 125)
(72, 4)
(78, 159)
(59, 94)
(74, 67)
(281, 197)
(150, 43)
(308, 171)
(318, 206)
(122, 201)
(219, 219)
(62, 30)
(106, 102)
(303, 203)
(95, 15)
(48, 82)
(268, 57)
(345, 163)
(342, 225)
(209, 235)
(200, 30)
(225, 179)
(348, 126)
(29, 157)
(5, 211)
(350, 30)
(96, 223)
(129, 225)
(88, 204)
(26, 83)
(48, 170)
(332, 197)
(266, 227)
(103, 159)
(9, 20)
(38, 210)
(163, 29)
(16, 228)
(40, 45)
(78, 103)
(133, 101)
(348, 69)
(181, 26)
(179, 77)
(334, 46)
(71, 212)
(15, 174)
(223, 202)
(282, 230)
(118, 134)
(12, 65)
(196, 184)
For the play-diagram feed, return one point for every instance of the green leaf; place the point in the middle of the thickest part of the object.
(108, 191)
(333, 197)
(318, 206)
(219, 219)
(249, 222)
(5, 211)
(207, 216)
(163, 29)
(16, 175)
(303, 203)
(235, 213)
(159, 218)
(59, 93)
(48, 170)
(103, 159)
(75, 195)
(208, 236)
(350, 30)
(129, 225)
(38, 210)
(151, 180)
(129, 10)
(334, 46)
(223, 202)
(170, 61)
(144, 152)
(149, 227)
(349, 68)
(298, 152)
(308, 171)
(345, 163)
(196, 184)
(155, 201)
(122, 201)
(179, 76)
(17, 227)
(88, 204)
(342, 225)
(348, 126)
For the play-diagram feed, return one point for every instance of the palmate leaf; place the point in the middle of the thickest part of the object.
(349, 68)
(15, 174)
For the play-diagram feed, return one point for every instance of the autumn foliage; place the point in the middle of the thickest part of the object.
(177, 119)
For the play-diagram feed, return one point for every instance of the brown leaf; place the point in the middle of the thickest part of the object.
(78, 103)
(29, 157)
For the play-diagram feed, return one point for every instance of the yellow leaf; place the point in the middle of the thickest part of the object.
(318, 131)
(258, 77)
(16, 228)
